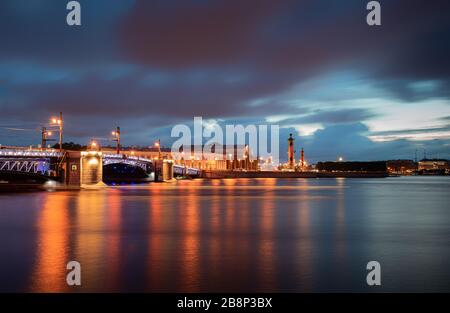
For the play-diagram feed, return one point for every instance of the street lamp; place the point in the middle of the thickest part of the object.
(44, 137)
(58, 122)
(116, 135)
(158, 145)
(94, 145)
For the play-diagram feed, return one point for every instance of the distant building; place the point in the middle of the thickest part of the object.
(218, 157)
(434, 164)
(148, 153)
(403, 167)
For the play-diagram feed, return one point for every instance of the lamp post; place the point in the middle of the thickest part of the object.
(247, 157)
(116, 135)
(59, 122)
(94, 145)
(158, 144)
(44, 137)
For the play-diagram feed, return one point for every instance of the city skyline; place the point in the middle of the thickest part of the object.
(315, 68)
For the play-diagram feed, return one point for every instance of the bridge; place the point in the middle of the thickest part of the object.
(85, 167)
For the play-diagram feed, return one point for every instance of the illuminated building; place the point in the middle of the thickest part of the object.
(434, 164)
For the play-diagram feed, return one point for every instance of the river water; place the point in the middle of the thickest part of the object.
(244, 235)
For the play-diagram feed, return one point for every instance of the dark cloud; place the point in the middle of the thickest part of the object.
(148, 64)
(291, 40)
(190, 33)
(37, 31)
(130, 96)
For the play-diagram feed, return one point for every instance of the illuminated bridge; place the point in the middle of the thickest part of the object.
(86, 167)
(144, 163)
(28, 163)
(147, 164)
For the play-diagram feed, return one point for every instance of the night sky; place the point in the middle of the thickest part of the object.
(314, 67)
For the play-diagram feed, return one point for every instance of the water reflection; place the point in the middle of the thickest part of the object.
(113, 247)
(304, 244)
(52, 245)
(265, 257)
(91, 239)
(237, 235)
(189, 253)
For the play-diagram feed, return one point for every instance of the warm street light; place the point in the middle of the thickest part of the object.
(59, 122)
(44, 137)
(94, 145)
(158, 144)
(116, 135)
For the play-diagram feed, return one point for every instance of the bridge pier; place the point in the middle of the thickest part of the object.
(82, 168)
(72, 168)
(91, 168)
(163, 170)
(167, 170)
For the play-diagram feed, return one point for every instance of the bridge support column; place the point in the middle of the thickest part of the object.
(163, 170)
(91, 171)
(72, 168)
(167, 170)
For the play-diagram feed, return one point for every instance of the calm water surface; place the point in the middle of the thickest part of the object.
(254, 235)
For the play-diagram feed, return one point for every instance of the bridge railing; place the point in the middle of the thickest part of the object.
(29, 153)
(34, 161)
(35, 166)
(180, 169)
(124, 156)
